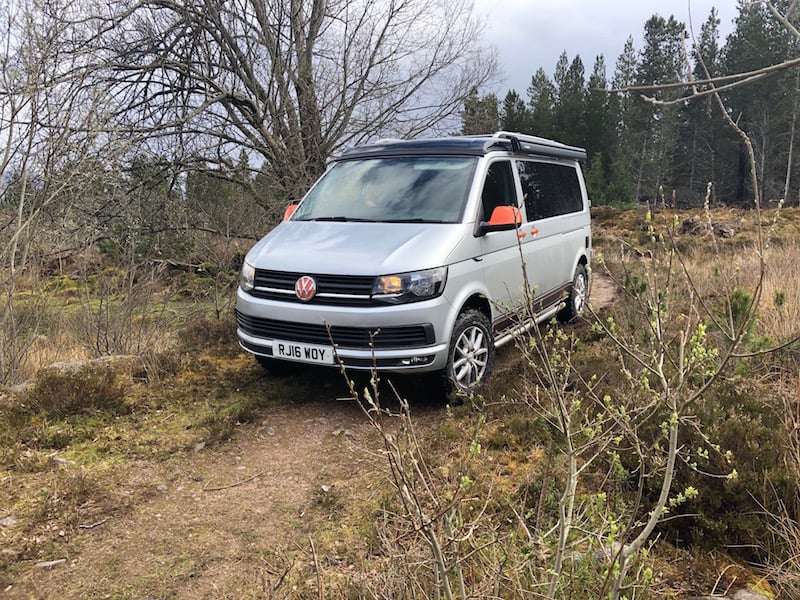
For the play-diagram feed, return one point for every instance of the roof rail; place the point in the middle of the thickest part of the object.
(531, 144)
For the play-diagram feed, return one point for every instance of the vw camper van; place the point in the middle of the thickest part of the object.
(422, 256)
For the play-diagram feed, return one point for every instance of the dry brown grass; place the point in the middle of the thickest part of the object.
(718, 272)
(56, 346)
(779, 309)
(719, 266)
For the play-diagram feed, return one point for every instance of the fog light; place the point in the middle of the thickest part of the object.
(415, 361)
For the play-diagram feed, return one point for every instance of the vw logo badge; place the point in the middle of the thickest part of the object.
(305, 288)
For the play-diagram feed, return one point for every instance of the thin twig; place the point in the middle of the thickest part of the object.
(232, 485)
(320, 591)
(92, 525)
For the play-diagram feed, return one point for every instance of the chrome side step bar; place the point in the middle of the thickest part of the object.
(525, 327)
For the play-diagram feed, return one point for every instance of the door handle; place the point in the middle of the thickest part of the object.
(534, 231)
(521, 234)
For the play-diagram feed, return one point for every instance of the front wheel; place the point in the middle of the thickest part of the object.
(578, 296)
(471, 354)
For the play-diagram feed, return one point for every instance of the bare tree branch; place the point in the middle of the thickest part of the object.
(293, 81)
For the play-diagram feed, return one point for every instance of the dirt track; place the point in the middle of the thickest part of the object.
(239, 510)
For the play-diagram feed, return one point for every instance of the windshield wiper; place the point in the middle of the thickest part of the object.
(417, 220)
(341, 219)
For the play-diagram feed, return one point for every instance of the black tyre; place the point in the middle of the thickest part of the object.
(471, 355)
(578, 296)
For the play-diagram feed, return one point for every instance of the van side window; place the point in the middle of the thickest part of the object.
(498, 189)
(549, 189)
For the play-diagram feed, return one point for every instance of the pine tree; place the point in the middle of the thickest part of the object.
(480, 115)
(661, 61)
(627, 138)
(570, 110)
(765, 110)
(515, 115)
(704, 127)
(541, 104)
(599, 127)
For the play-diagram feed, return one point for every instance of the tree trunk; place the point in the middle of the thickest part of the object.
(762, 162)
(641, 171)
(791, 140)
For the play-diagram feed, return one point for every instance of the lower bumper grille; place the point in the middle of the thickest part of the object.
(364, 338)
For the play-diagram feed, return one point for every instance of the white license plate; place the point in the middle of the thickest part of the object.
(310, 353)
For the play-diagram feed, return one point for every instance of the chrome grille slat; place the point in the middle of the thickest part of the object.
(336, 290)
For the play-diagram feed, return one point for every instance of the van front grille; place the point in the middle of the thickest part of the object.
(364, 338)
(334, 290)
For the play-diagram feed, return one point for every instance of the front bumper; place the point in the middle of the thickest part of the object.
(405, 337)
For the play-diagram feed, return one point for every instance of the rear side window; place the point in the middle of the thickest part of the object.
(549, 189)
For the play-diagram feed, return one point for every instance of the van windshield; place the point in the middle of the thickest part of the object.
(393, 190)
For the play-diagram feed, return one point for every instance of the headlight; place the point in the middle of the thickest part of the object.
(248, 276)
(410, 287)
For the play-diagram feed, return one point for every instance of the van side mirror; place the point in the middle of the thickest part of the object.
(504, 218)
(287, 214)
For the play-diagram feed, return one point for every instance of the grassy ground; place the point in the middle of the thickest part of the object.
(179, 469)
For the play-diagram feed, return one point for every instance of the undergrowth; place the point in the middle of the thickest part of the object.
(494, 470)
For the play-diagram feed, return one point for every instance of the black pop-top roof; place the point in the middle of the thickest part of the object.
(475, 145)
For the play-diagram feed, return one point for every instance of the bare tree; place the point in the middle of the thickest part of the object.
(50, 135)
(291, 81)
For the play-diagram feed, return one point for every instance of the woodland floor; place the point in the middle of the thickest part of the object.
(229, 520)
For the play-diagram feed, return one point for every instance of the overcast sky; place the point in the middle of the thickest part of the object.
(529, 34)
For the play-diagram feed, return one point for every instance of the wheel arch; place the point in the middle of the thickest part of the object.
(478, 302)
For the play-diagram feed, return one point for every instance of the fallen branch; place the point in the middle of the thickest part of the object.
(232, 485)
(93, 525)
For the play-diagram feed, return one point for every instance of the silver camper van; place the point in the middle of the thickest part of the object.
(411, 256)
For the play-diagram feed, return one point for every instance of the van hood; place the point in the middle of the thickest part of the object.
(353, 248)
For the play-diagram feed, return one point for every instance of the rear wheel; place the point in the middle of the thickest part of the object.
(471, 355)
(578, 296)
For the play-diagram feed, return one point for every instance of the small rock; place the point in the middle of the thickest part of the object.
(270, 431)
(162, 487)
(693, 226)
(740, 594)
(50, 563)
(9, 521)
(199, 446)
(63, 461)
(723, 231)
(326, 488)
(747, 595)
